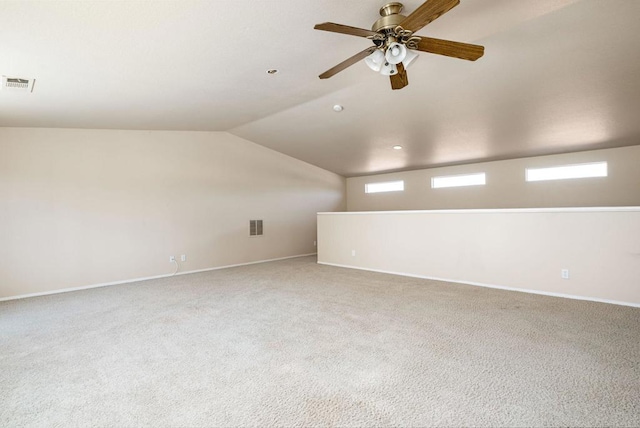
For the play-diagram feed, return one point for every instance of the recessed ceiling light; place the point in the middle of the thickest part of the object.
(397, 147)
(338, 108)
(272, 71)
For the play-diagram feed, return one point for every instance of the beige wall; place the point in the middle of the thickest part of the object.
(522, 249)
(83, 207)
(506, 187)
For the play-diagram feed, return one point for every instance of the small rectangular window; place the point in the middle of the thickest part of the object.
(390, 186)
(459, 180)
(584, 170)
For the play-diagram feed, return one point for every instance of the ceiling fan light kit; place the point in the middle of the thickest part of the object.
(409, 58)
(376, 60)
(395, 53)
(393, 41)
(389, 69)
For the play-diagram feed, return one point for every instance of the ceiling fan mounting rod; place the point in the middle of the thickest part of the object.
(392, 8)
(389, 29)
(390, 17)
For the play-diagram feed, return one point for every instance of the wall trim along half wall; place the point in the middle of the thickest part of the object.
(497, 210)
(586, 253)
(499, 287)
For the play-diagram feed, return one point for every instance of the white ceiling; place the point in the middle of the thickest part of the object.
(557, 76)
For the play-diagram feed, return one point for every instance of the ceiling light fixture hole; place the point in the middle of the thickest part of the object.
(272, 71)
(338, 108)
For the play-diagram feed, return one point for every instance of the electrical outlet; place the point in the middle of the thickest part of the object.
(172, 259)
(183, 257)
(315, 243)
(353, 253)
(564, 273)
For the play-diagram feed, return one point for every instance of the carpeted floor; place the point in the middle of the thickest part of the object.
(293, 343)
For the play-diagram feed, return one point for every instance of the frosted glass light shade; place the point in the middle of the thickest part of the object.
(388, 69)
(409, 58)
(395, 53)
(375, 60)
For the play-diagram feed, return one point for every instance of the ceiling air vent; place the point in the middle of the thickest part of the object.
(17, 84)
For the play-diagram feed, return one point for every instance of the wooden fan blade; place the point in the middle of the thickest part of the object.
(348, 63)
(452, 49)
(344, 29)
(399, 80)
(427, 12)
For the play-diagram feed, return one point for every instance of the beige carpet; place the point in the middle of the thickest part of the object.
(293, 343)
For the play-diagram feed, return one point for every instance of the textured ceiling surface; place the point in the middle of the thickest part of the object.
(557, 76)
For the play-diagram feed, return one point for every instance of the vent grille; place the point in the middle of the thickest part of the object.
(255, 228)
(17, 84)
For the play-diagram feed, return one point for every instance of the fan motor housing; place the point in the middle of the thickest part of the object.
(391, 17)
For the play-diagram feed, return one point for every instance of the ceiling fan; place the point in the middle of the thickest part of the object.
(394, 39)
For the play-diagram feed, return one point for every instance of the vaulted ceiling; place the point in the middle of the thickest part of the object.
(557, 76)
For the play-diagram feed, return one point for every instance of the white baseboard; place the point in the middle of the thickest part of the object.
(127, 281)
(500, 287)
